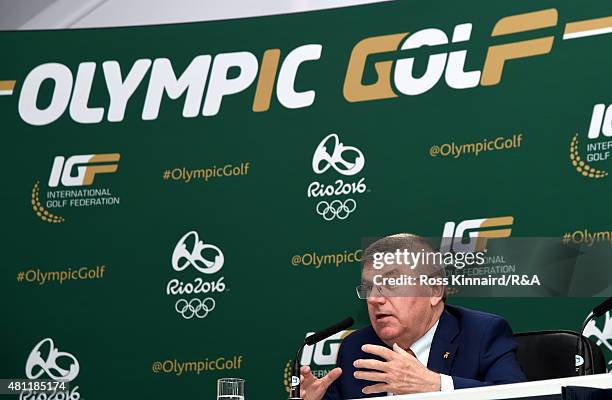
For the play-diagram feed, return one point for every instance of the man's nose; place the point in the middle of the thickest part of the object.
(378, 299)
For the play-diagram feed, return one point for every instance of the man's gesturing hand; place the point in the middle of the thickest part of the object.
(400, 373)
(312, 388)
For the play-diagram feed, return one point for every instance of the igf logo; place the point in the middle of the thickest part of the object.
(451, 64)
(601, 121)
(471, 235)
(324, 352)
(87, 166)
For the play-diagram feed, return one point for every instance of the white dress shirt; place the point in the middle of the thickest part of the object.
(421, 349)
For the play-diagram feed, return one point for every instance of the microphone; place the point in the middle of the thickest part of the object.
(598, 311)
(332, 330)
(309, 341)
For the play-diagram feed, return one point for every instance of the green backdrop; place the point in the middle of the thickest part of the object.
(121, 322)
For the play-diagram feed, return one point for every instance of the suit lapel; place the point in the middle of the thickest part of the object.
(443, 350)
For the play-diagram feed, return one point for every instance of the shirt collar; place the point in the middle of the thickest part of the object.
(424, 343)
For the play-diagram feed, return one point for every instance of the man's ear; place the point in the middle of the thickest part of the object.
(436, 295)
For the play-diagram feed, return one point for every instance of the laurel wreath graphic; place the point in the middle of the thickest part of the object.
(583, 168)
(40, 210)
(287, 376)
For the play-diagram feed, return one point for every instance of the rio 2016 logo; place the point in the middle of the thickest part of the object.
(333, 154)
(46, 361)
(196, 301)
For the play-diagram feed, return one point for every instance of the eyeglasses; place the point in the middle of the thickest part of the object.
(365, 290)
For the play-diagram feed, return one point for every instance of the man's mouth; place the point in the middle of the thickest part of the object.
(381, 317)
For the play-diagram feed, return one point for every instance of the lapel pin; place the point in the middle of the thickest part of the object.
(446, 354)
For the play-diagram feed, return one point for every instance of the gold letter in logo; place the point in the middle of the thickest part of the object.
(497, 55)
(265, 83)
(476, 231)
(354, 90)
(492, 223)
(91, 171)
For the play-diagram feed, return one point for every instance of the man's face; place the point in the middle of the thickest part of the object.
(400, 312)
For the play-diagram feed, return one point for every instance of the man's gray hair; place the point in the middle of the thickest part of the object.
(412, 243)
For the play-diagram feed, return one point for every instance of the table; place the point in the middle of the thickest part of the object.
(547, 387)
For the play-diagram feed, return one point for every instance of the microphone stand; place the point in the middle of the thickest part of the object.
(295, 375)
(311, 340)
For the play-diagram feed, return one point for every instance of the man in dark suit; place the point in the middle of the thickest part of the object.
(415, 343)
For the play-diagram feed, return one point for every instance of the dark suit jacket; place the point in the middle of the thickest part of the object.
(481, 351)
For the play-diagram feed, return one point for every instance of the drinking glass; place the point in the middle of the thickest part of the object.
(230, 389)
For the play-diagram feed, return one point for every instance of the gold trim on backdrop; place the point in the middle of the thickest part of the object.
(6, 87)
(589, 27)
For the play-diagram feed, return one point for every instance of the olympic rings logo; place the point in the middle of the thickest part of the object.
(336, 209)
(194, 307)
